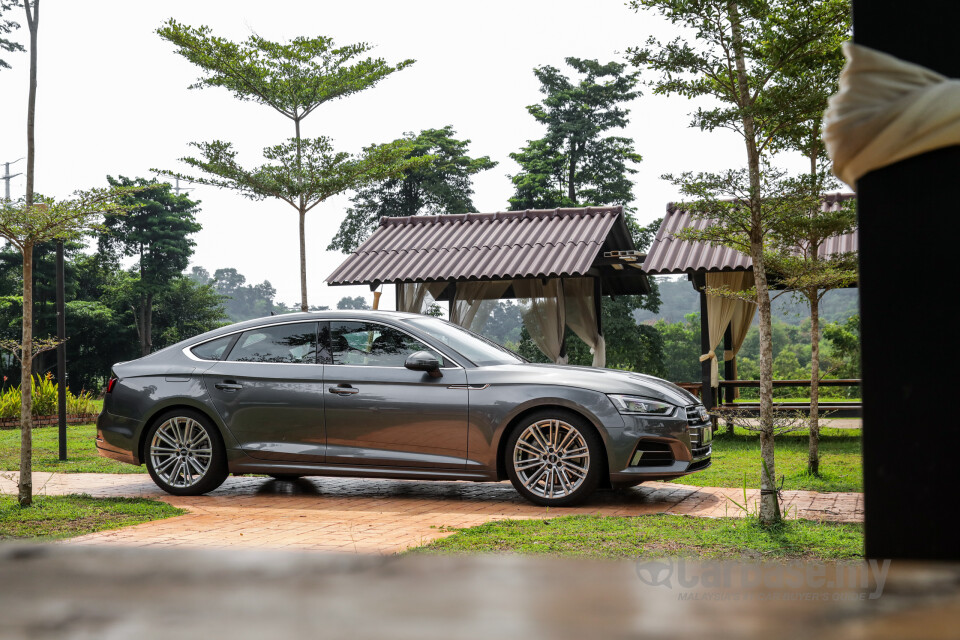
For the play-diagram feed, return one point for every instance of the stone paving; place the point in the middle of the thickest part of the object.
(384, 516)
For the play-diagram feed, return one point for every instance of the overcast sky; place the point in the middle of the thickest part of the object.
(113, 100)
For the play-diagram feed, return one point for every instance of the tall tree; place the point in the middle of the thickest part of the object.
(357, 302)
(797, 255)
(25, 226)
(575, 163)
(8, 26)
(293, 79)
(440, 187)
(156, 231)
(732, 51)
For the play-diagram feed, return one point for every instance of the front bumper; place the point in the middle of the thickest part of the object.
(664, 449)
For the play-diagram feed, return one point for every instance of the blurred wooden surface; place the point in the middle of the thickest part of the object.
(54, 591)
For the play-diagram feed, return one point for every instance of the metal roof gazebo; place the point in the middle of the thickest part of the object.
(561, 261)
(716, 266)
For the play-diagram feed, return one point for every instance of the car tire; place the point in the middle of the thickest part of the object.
(184, 453)
(554, 458)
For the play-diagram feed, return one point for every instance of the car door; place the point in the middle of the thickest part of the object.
(378, 412)
(269, 392)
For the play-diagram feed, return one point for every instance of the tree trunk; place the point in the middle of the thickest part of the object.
(571, 186)
(303, 261)
(145, 323)
(769, 505)
(813, 457)
(25, 496)
(303, 218)
(25, 484)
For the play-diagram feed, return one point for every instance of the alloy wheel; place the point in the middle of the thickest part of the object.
(181, 452)
(551, 459)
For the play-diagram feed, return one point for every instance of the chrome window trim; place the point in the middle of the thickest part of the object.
(187, 350)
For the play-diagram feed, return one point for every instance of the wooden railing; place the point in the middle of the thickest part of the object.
(839, 409)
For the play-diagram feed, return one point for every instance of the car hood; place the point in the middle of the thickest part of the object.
(602, 380)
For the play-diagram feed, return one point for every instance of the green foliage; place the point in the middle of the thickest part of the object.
(8, 26)
(357, 302)
(736, 458)
(292, 78)
(156, 230)
(574, 164)
(681, 348)
(617, 537)
(44, 400)
(58, 517)
(82, 455)
(844, 339)
(441, 186)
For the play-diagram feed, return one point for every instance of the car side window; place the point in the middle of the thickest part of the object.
(373, 344)
(286, 343)
(214, 349)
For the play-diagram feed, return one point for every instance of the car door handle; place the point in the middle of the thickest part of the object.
(228, 385)
(344, 390)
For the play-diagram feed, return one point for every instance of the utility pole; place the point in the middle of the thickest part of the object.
(7, 176)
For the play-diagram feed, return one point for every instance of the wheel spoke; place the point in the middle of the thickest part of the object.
(577, 470)
(529, 463)
(529, 448)
(576, 453)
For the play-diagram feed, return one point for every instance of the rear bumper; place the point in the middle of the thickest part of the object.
(116, 438)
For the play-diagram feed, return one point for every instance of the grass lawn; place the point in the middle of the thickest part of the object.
(55, 517)
(738, 456)
(82, 456)
(658, 536)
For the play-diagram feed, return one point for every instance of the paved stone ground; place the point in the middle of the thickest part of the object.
(384, 516)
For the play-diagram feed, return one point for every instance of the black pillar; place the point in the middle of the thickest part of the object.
(905, 209)
(61, 358)
(706, 365)
(728, 392)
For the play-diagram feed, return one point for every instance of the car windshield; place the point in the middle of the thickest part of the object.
(476, 348)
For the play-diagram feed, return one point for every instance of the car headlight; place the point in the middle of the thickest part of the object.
(637, 405)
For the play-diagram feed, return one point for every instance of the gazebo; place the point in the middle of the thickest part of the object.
(715, 266)
(560, 262)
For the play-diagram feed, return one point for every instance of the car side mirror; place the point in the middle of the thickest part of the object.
(424, 361)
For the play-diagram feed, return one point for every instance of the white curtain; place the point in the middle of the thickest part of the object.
(416, 297)
(578, 295)
(474, 302)
(545, 317)
(722, 310)
(887, 110)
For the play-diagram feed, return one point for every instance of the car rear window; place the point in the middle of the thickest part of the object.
(214, 349)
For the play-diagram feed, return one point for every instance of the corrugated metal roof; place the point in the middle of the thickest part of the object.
(484, 246)
(669, 255)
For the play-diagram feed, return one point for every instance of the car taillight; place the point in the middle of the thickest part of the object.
(110, 384)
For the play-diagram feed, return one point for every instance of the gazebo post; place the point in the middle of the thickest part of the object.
(706, 366)
(729, 393)
(598, 305)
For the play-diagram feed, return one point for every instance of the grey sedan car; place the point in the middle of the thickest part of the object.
(392, 395)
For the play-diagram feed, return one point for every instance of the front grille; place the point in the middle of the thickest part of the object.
(652, 454)
(693, 415)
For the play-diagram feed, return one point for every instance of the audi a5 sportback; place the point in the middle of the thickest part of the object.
(392, 395)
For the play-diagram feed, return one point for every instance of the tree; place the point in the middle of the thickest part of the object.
(574, 164)
(25, 223)
(156, 231)
(442, 186)
(358, 302)
(737, 50)
(8, 26)
(796, 255)
(293, 79)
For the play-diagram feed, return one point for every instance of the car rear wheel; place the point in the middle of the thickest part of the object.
(185, 454)
(553, 458)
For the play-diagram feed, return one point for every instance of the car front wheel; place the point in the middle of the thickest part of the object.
(185, 454)
(554, 458)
